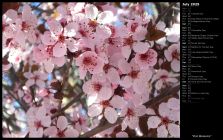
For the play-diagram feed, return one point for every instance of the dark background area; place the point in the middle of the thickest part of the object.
(204, 118)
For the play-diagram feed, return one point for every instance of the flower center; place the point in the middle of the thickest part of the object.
(105, 103)
(92, 23)
(49, 50)
(25, 26)
(164, 77)
(8, 41)
(111, 41)
(61, 38)
(134, 74)
(128, 41)
(87, 61)
(36, 77)
(60, 134)
(83, 33)
(81, 121)
(37, 124)
(134, 26)
(144, 57)
(175, 55)
(130, 112)
(165, 121)
(53, 110)
(97, 86)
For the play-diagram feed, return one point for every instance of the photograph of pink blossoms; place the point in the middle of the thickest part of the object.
(91, 69)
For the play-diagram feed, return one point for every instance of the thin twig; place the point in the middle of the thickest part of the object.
(165, 12)
(65, 79)
(67, 106)
(17, 100)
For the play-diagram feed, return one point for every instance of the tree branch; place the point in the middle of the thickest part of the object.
(67, 106)
(17, 100)
(165, 12)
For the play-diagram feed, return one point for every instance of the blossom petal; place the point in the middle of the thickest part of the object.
(62, 123)
(162, 132)
(30, 82)
(175, 65)
(124, 66)
(174, 130)
(10, 16)
(126, 51)
(111, 115)
(91, 11)
(71, 133)
(150, 111)
(40, 83)
(72, 45)
(126, 82)
(105, 17)
(141, 47)
(36, 133)
(59, 61)
(55, 27)
(51, 131)
(174, 103)
(46, 121)
(168, 55)
(105, 93)
(153, 122)
(117, 102)
(133, 122)
(124, 124)
(163, 109)
(121, 135)
(59, 50)
(48, 39)
(20, 37)
(140, 110)
(113, 76)
(48, 66)
(94, 110)
(70, 29)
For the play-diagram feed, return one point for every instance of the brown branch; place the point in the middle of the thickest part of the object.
(165, 12)
(65, 79)
(151, 103)
(67, 106)
(100, 128)
(17, 100)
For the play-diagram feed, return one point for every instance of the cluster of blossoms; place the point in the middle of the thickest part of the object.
(121, 68)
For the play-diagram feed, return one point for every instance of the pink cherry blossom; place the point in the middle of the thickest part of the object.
(89, 61)
(35, 78)
(172, 55)
(99, 88)
(164, 78)
(166, 122)
(147, 59)
(37, 121)
(104, 17)
(173, 34)
(132, 114)
(61, 129)
(121, 135)
(59, 38)
(109, 112)
(25, 26)
(135, 77)
(80, 122)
